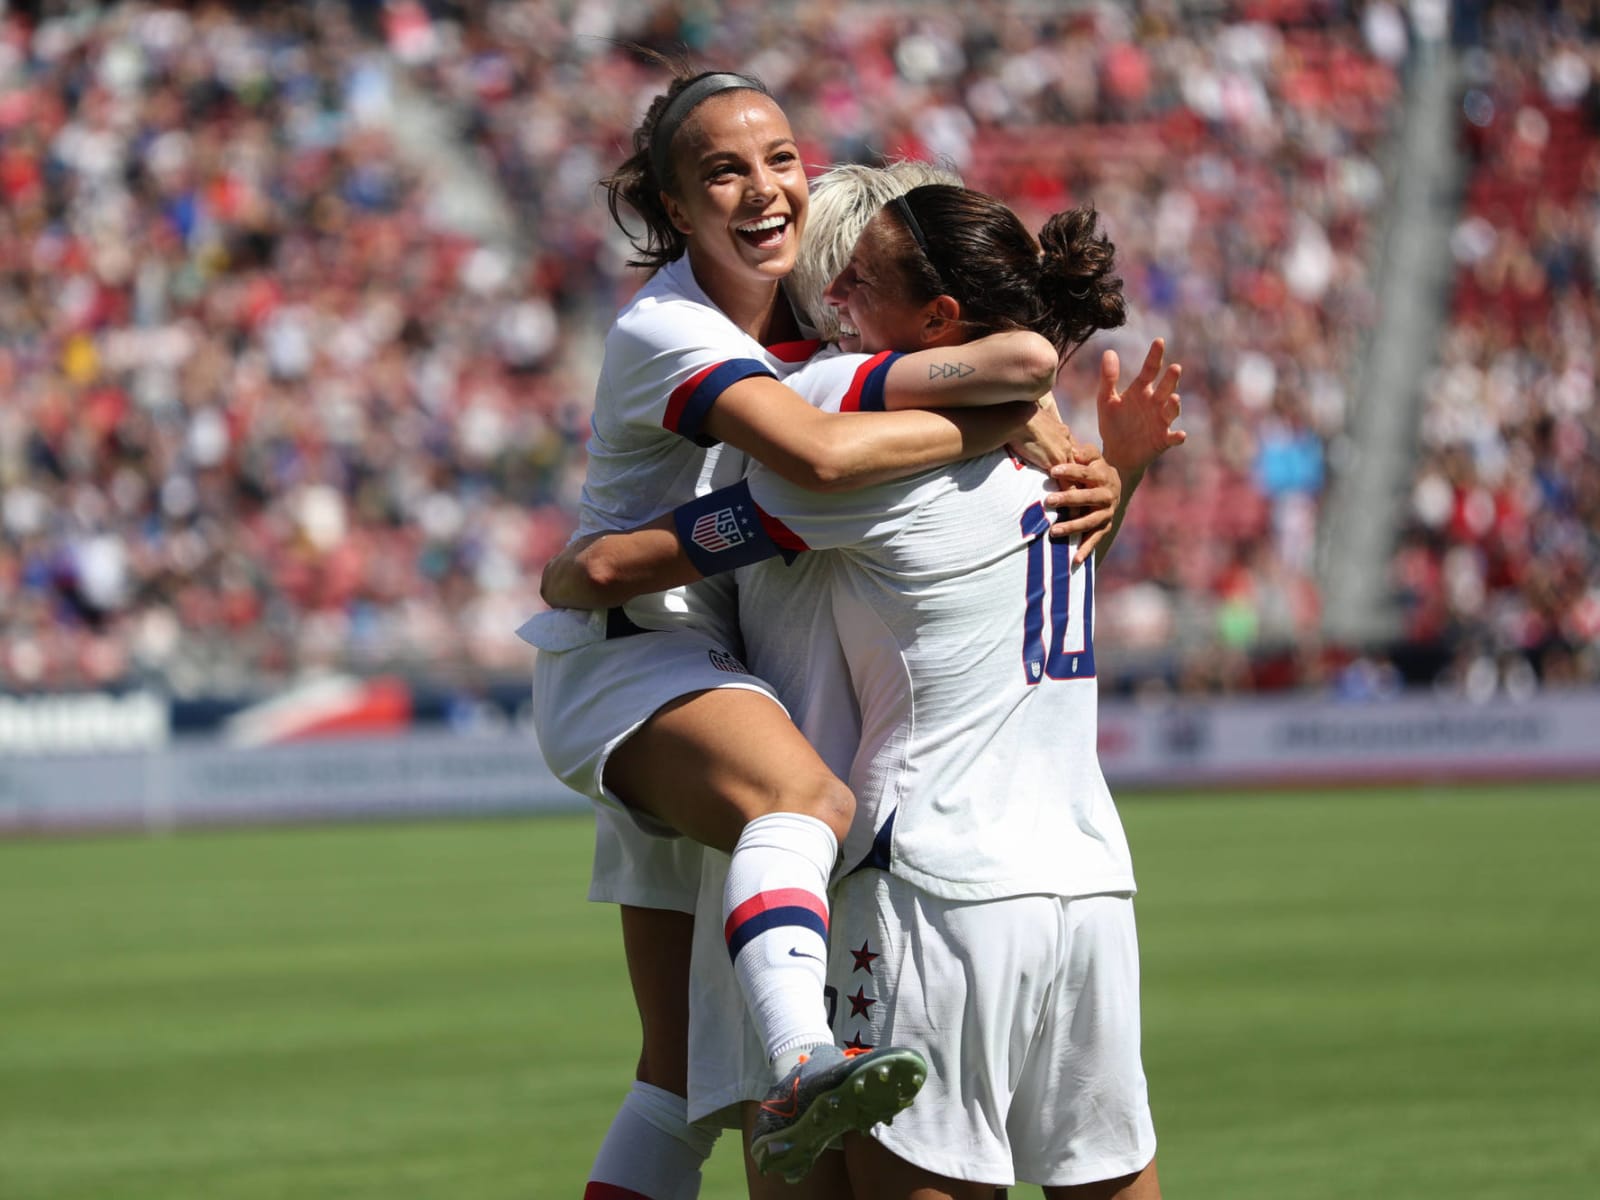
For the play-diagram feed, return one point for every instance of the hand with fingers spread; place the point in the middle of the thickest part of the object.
(1136, 428)
(1136, 425)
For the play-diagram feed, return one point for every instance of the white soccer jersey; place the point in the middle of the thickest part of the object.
(668, 357)
(786, 614)
(969, 639)
(786, 611)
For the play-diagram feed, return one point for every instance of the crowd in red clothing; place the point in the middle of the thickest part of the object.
(261, 411)
(264, 410)
(1500, 560)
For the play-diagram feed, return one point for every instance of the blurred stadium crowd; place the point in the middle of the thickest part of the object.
(1500, 552)
(265, 407)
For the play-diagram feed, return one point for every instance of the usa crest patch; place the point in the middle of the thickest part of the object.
(723, 661)
(717, 531)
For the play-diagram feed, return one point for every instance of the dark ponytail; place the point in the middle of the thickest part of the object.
(1078, 285)
(975, 249)
(649, 171)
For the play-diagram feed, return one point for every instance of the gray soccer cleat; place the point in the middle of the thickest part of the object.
(830, 1092)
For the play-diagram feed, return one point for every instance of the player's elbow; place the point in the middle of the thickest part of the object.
(840, 473)
(1036, 363)
(588, 579)
(825, 465)
(834, 474)
(599, 574)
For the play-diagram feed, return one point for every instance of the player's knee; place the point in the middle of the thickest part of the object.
(664, 1068)
(828, 800)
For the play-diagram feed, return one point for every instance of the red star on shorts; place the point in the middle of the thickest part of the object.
(861, 1003)
(856, 1043)
(863, 957)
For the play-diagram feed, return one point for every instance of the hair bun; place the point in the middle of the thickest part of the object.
(1077, 274)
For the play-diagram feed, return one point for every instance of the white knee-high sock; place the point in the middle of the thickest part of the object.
(651, 1151)
(775, 919)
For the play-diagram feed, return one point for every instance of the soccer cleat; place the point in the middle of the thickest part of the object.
(830, 1092)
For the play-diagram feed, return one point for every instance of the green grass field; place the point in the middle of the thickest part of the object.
(1346, 995)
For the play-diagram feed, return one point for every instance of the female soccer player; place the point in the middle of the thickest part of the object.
(991, 895)
(646, 708)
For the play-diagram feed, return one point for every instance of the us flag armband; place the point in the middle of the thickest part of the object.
(727, 529)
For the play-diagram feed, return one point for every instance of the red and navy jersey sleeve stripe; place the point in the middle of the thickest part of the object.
(691, 401)
(867, 385)
(774, 910)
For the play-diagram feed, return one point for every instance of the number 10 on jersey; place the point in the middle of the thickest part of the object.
(1068, 598)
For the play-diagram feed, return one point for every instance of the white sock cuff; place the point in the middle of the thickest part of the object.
(668, 1112)
(791, 831)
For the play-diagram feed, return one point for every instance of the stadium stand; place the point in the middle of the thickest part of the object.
(1498, 561)
(269, 408)
(263, 412)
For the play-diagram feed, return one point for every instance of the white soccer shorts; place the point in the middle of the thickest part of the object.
(727, 1061)
(643, 870)
(587, 701)
(1027, 1009)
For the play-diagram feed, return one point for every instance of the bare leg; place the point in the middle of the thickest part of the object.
(827, 1180)
(1141, 1185)
(657, 942)
(708, 763)
(650, 1147)
(883, 1175)
(728, 768)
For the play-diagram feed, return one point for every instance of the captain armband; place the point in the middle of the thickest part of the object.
(726, 530)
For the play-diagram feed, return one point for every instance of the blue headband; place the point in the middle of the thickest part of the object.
(680, 106)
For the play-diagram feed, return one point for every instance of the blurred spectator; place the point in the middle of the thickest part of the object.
(1235, 159)
(1500, 563)
(260, 413)
(263, 413)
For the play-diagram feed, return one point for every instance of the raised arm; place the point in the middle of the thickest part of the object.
(1094, 494)
(720, 531)
(1136, 427)
(1136, 424)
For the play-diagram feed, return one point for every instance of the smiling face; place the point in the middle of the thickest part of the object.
(870, 298)
(740, 192)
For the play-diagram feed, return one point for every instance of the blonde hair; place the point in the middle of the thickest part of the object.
(843, 200)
